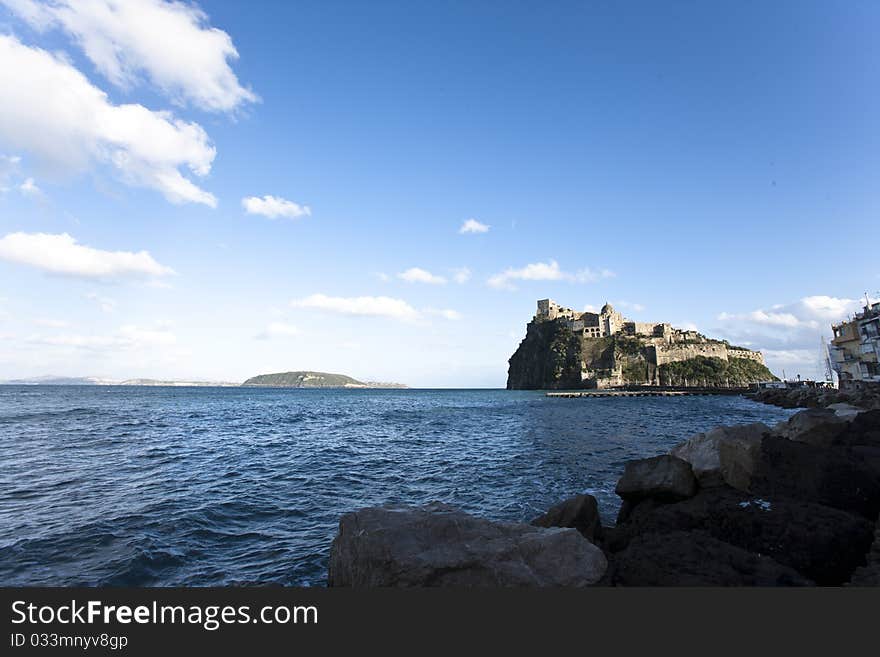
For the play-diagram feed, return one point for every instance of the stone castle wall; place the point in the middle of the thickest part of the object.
(675, 352)
(756, 356)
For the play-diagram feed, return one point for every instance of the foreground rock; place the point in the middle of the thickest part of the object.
(821, 543)
(846, 478)
(666, 477)
(437, 545)
(818, 427)
(580, 512)
(869, 574)
(724, 454)
(681, 558)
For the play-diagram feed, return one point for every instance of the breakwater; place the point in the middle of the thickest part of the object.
(647, 392)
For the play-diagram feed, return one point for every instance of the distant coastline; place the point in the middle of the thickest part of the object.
(295, 379)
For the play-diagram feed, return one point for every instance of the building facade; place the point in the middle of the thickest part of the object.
(855, 348)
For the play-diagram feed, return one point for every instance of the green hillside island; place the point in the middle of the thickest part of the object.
(313, 380)
(564, 349)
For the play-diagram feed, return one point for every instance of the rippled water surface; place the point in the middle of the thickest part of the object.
(211, 486)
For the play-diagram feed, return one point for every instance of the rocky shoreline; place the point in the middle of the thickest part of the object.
(796, 504)
(865, 398)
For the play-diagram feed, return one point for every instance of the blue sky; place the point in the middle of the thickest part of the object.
(710, 164)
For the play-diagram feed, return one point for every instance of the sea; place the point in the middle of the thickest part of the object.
(170, 486)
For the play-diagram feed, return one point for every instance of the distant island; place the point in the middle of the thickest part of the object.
(568, 349)
(314, 380)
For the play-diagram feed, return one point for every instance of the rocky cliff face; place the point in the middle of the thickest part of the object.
(549, 357)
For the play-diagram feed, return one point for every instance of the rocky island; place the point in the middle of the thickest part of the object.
(567, 349)
(304, 379)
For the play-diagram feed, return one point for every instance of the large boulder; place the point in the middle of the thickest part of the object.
(681, 558)
(844, 410)
(822, 543)
(701, 451)
(727, 454)
(663, 478)
(437, 545)
(817, 426)
(869, 574)
(846, 478)
(740, 454)
(580, 512)
(862, 430)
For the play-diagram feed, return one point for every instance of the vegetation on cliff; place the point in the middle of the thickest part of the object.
(702, 370)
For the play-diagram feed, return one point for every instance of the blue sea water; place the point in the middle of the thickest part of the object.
(144, 486)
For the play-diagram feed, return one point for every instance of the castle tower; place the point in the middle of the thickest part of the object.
(609, 319)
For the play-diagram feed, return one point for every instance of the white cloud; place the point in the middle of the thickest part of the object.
(418, 275)
(51, 110)
(812, 312)
(545, 271)
(473, 226)
(172, 44)
(445, 313)
(360, 306)
(126, 337)
(368, 306)
(278, 330)
(461, 275)
(61, 254)
(274, 207)
(29, 188)
(106, 304)
(382, 276)
(789, 334)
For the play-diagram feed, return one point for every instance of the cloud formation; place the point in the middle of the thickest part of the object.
(51, 110)
(788, 334)
(367, 306)
(545, 271)
(360, 306)
(171, 44)
(274, 207)
(418, 275)
(29, 188)
(461, 275)
(61, 254)
(472, 226)
(128, 337)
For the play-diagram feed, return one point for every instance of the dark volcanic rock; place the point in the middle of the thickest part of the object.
(822, 543)
(663, 478)
(862, 430)
(680, 558)
(841, 477)
(549, 357)
(437, 545)
(817, 426)
(580, 512)
(869, 574)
